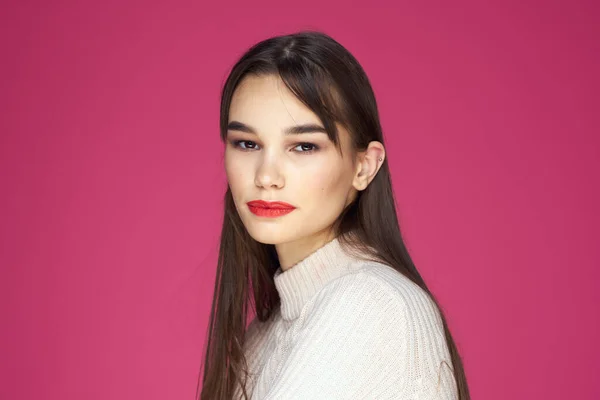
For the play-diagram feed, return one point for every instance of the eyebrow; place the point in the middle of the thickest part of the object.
(292, 130)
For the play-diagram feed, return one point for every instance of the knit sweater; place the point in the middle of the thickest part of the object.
(348, 329)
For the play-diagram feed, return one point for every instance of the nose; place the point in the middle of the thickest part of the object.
(268, 175)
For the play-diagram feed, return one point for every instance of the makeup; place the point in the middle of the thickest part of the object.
(271, 209)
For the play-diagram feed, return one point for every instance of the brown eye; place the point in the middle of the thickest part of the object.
(244, 144)
(306, 147)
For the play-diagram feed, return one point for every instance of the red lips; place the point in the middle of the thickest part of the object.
(280, 205)
(270, 208)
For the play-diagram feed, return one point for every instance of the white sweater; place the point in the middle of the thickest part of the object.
(348, 329)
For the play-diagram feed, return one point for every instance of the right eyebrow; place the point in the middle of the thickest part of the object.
(292, 130)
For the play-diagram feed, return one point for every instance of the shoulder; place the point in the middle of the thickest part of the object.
(376, 282)
(381, 292)
(392, 323)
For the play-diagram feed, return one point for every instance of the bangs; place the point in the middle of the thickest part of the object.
(317, 91)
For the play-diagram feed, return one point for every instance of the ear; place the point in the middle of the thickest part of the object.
(368, 163)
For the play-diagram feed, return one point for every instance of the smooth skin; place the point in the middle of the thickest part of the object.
(306, 170)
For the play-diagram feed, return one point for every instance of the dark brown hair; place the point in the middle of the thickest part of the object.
(322, 74)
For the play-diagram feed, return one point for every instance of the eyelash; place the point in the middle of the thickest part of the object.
(236, 144)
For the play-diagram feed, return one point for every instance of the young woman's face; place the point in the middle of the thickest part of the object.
(304, 170)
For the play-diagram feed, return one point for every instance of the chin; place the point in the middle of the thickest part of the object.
(266, 234)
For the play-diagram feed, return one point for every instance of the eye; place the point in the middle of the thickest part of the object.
(307, 147)
(244, 144)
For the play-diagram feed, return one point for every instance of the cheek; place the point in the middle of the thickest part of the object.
(327, 186)
(236, 173)
(325, 179)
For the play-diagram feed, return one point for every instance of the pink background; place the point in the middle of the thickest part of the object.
(112, 182)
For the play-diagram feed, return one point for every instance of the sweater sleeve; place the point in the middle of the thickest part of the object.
(362, 339)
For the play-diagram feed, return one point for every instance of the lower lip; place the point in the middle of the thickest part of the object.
(270, 212)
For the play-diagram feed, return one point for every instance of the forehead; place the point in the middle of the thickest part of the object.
(266, 100)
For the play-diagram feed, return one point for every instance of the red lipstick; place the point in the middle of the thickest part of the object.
(270, 208)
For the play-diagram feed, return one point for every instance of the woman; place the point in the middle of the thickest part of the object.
(311, 240)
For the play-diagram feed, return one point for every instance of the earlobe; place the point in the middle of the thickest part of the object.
(360, 179)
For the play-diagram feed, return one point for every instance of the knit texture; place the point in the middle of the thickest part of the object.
(348, 329)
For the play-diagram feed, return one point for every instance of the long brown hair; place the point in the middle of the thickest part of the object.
(328, 80)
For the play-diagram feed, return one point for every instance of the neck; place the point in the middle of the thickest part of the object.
(291, 253)
(300, 282)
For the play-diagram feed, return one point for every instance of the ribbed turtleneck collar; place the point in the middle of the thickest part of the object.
(300, 282)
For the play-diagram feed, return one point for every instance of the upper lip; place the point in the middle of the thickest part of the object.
(270, 204)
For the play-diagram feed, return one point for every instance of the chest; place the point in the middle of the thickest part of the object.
(269, 349)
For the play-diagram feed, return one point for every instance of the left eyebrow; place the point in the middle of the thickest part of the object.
(292, 130)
